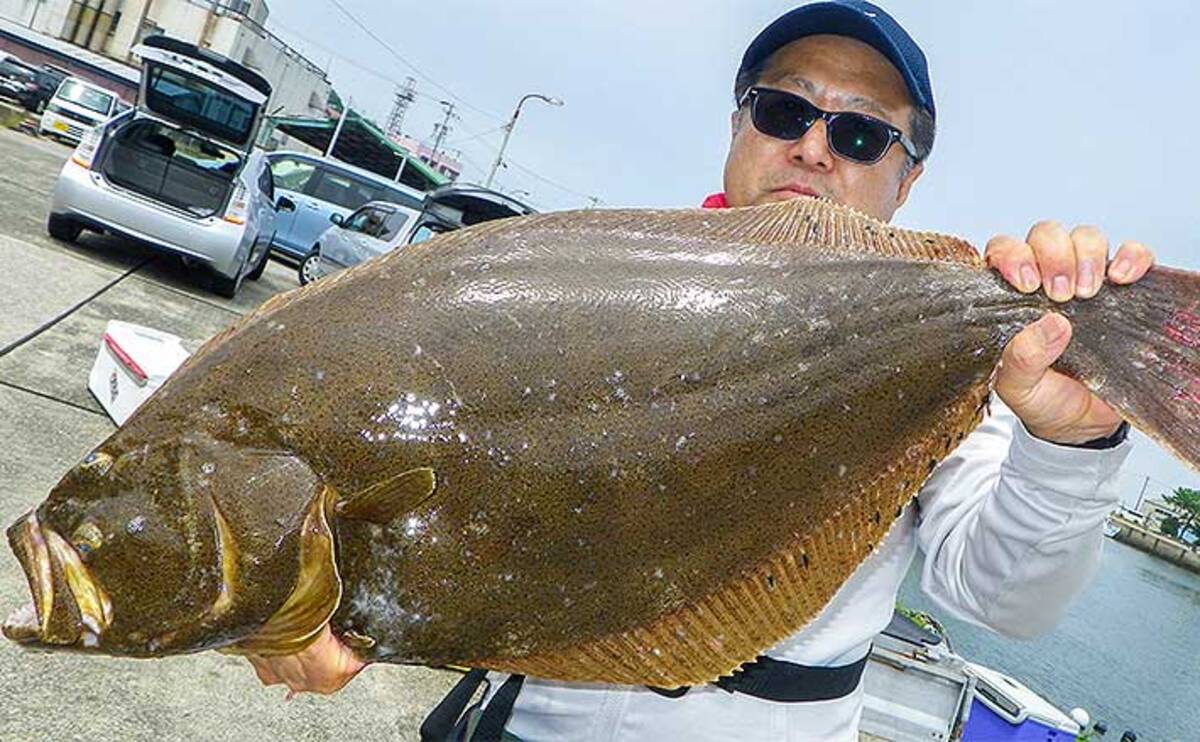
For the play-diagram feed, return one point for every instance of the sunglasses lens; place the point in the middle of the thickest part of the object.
(858, 137)
(780, 115)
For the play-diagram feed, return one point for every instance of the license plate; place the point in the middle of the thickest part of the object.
(58, 126)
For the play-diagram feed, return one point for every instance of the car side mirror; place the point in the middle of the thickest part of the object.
(285, 204)
(336, 219)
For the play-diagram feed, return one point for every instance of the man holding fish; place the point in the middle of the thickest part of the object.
(834, 101)
(671, 465)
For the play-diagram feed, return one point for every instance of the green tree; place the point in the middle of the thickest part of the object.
(1187, 502)
(1169, 526)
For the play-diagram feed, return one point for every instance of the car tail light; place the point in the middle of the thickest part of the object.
(85, 151)
(239, 206)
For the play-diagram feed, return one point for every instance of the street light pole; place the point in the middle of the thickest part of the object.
(508, 129)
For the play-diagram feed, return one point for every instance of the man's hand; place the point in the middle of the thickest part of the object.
(324, 667)
(1071, 264)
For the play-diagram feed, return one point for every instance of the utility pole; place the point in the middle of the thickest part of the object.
(404, 98)
(1141, 495)
(440, 131)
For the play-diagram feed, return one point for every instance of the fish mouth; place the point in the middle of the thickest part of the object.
(68, 606)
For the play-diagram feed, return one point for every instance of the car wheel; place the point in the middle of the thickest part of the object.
(228, 287)
(308, 266)
(256, 274)
(63, 228)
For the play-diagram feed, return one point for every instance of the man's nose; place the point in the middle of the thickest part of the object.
(812, 149)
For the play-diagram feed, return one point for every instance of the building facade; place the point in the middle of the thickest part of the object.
(443, 162)
(233, 28)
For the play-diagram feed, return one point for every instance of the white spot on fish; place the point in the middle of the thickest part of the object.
(777, 438)
(208, 467)
(320, 375)
(462, 437)
(417, 352)
(681, 442)
(841, 470)
(658, 573)
(135, 525)
(414, 526)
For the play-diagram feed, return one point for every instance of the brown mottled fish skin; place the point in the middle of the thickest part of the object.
(657, 442)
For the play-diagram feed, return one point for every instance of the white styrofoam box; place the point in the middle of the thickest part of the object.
(132, 362)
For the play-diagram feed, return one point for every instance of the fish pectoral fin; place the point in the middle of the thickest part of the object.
(383, 502)
(299, 621)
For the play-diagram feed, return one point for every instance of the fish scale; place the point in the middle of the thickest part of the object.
(625, 446)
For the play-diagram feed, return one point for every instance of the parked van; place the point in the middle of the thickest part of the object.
(76, 107)
(180, 172)
(322, 187)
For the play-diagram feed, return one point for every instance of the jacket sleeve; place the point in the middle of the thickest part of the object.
(1011, 525)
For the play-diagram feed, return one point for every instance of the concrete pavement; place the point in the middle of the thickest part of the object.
(49, 420)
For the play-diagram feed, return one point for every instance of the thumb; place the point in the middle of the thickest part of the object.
(1030, 354)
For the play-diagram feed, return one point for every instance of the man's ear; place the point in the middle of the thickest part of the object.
(735, 123)
(906, 183)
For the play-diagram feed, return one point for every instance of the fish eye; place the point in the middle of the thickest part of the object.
(97, 461)
(87, 539)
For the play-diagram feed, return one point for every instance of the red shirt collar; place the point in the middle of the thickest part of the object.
(715, 201)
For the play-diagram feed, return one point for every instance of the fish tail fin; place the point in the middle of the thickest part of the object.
(1138, 348)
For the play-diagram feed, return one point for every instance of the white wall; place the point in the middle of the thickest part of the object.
(50, 18)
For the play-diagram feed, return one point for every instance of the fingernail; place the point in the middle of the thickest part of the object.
(1051, 329)
(1060, 288)
(1029, 278)
(1121, 269)
(1085, 280)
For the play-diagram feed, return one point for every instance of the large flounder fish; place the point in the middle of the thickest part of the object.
(626, 446)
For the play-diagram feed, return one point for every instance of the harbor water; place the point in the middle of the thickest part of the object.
(1128, 649)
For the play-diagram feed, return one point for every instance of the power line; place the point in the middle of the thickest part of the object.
(391, 50)
(473, 136)
(547, 181)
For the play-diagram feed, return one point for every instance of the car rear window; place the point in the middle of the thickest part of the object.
(199, 104)
(88, 97)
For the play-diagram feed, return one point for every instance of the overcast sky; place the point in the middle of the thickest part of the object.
(1080, 111)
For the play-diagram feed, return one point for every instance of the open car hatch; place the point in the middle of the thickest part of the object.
(201, 90)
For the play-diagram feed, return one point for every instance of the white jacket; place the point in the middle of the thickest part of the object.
(1011, 530)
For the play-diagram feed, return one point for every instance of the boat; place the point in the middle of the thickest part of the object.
(918, 688)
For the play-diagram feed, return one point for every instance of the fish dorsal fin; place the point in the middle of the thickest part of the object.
(394, 496)
(318, 590)
(824, 225)
(802, 223)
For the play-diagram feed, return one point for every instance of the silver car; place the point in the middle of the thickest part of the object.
(179, 172)
(381, 226)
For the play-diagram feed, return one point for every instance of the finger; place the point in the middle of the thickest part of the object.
(1091, 254)
(1031, 352)
(1055, 254)
(1130, 263)
(1015, 261)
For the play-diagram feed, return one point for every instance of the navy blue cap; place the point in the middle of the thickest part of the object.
(857, 19)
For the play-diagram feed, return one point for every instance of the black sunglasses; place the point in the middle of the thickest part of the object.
(853, 136)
